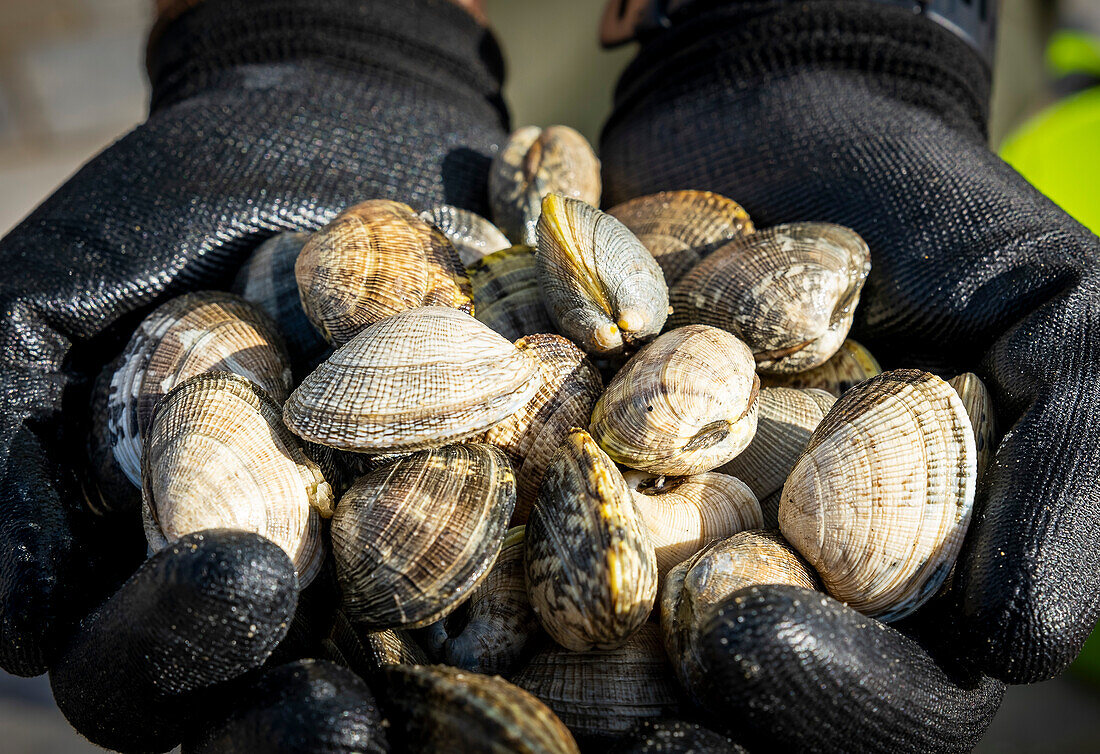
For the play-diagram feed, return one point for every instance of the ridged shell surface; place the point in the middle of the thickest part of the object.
(471, 234)
(684, 404)
(979, 407)
(849, 366)
(107, 489)
(217, 456)
(591, 569)
(422, 378)
(413, 539)
(880, 501)
(506, 293)
(372, 261)
(789, 292)
(367, 652)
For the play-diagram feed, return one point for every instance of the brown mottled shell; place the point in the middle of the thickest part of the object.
(880, 500)
(604, 693)
(591, 569)
(789, 292)
(681, 227)
(506, 293)
(684, 404)
(536, 162)
(979, 407)
(372, 261)
(367, 652)
(471, 234)
(850, 365)
(440, 709)
(786, 420)
(422, 378)
(603, 290)
(217, 456)
(413, 539)
(191, 334)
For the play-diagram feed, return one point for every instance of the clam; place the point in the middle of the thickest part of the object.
(787, 417)
(372, 261)
(684, 404)
(267, 280)
(671, 736)
(413, 539)
(850, 365)
(979, 407)
(419, 379)
(189, 335)
(789, 292)
(107, 489)
(217, 456)
(367, 652)
(602, 288)
(591, 569)
(471, 234)
(536, 162)
(880, 500)
(490, 632)
(602, 694)
(681, 227)
(506, 293)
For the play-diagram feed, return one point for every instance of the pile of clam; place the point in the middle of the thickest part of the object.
(545, 453)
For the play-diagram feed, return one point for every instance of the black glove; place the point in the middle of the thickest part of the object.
(874, 117)
(267, 115)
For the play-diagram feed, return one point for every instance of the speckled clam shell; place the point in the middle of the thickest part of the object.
(603, 289)
(880, 500)
(536, 162)
(413, 539)
(471, 234)
(684, 404)
(789, 291)
(217, 456)
(591, 569)
(695, 586)
(786, 419)
(422, 378)
(849, 366)
(506, 293)
(189, 335)
(372, 261)
(602, 694)
(681, 227)
(979, 407)
(367, 652)
(434, 709)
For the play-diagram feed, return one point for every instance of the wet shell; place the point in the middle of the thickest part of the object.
(413, 539)
(267, 280)
(849, 366)
(979, 407)
(880, 501)
(681, 227)
(437, 709)
(471, 234)
(374, 260)
(367, 652)
(422, 378)
(686, 403)
(669, 736)
(217, 456)
(789, 292)
(534, 163)
(591, 569)
(602, 288)
(492, 630)
(571, 385)
(604, 693)
(506, 293)
(106, 489)
(189, 335)
(786, 420)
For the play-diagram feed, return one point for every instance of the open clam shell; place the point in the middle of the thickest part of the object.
(471, 234)
(849, 366)
(979, 407)
(506, 293)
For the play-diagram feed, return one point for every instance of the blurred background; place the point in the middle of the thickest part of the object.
(72, 80)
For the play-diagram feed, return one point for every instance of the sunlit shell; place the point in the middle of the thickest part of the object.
(850, 365)
(979, 407)
(471, 234)
(506, 293)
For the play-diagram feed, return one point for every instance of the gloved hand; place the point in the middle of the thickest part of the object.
(874, 117)
(266, 115)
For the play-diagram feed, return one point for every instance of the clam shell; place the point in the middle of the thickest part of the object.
(506, 293)
(217, 456)
(367, 652)
(602, 288)
(413, 539)
(189, 335)
(670, 736)
(107, 489)
(536, 162)
(850, 365)
(786, 419)
(684, 404)
(591, 569)
(979, 407)
(681, 227)
(372, 261)
(880, 500)
(789, 292)
(471, 234)
(422, 378)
